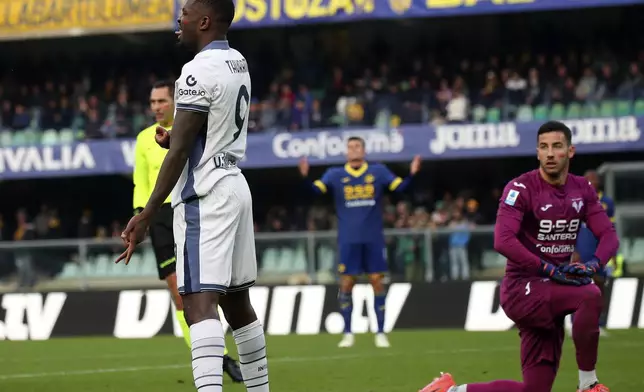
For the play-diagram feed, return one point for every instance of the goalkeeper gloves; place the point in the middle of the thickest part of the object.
(582, 269)
(557, 275)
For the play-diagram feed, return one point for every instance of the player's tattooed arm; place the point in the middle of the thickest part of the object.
(187, 125)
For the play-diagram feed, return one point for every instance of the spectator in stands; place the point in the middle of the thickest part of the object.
(491, 93)
(587, 86)
(457, 108)
(25, 231)
(21, 118)
(458, 241)
(535, 88)
(42, 221)
(633, 86)
(608, 84)
(516, 87)
(86, 225)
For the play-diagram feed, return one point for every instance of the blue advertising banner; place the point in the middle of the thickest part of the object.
(263, 13)
(324, 147)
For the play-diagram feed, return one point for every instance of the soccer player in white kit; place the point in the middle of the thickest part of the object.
(213, 217)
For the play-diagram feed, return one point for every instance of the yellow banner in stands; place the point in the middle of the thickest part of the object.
(21, 19)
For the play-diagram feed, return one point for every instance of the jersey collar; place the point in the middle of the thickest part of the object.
(221, 45)
(356, 172)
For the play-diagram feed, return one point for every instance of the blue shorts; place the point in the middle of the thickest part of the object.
(358, 259)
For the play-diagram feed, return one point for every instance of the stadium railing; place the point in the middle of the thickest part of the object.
(289, 257)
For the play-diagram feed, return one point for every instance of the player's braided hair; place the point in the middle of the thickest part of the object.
(223, 10)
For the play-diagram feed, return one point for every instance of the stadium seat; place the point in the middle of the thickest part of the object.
(32, 136)
(49, 137)
(66, 136)
(637, 251)
(71, 270)
(607, 109)
(574, 111)
(326, 258)
(557, 111)
(589, 110)
(269, 260)
(6, 138)
(623, 108)
(625, 247)
(541, 113)
(19, 139)
(148, 267)
(638, 107)
(491, 259)
(478, 113)
(524, 113)
(299, 259)
(493, 115)
(286, 260)
(102, 266)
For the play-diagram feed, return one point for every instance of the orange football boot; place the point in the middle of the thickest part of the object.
(596, 388)
(445, 382)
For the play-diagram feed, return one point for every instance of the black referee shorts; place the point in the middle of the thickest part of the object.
(163, 241)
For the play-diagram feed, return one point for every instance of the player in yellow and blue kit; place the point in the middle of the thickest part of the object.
(357, 189)
(586, 241)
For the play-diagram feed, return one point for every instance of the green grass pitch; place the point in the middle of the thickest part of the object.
(304, 363)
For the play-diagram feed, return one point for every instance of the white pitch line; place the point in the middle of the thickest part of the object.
(4, 377)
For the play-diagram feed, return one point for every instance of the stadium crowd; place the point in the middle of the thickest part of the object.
(424, 92)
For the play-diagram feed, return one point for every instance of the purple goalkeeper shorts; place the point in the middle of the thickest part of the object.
(538, 307)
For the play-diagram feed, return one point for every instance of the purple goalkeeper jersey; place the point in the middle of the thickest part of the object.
(539, 221)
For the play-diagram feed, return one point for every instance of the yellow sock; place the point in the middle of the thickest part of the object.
(184, 327)
(186, 330)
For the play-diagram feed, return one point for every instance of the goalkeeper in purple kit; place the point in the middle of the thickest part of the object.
(538, 221)
(357, 189)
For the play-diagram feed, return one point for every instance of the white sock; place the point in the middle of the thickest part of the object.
(207, 339)
(586, 379)
(251, 347)
(458, 388)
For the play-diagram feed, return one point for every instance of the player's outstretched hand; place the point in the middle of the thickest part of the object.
(415, 165)
(133, 234)
(303, 166)
(162, 137)
(556, 274)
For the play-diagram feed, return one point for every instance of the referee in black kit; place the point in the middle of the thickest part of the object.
(148, 159)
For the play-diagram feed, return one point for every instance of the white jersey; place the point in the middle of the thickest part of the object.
(216, 82)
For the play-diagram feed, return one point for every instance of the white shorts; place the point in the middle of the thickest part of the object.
(215, 239)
